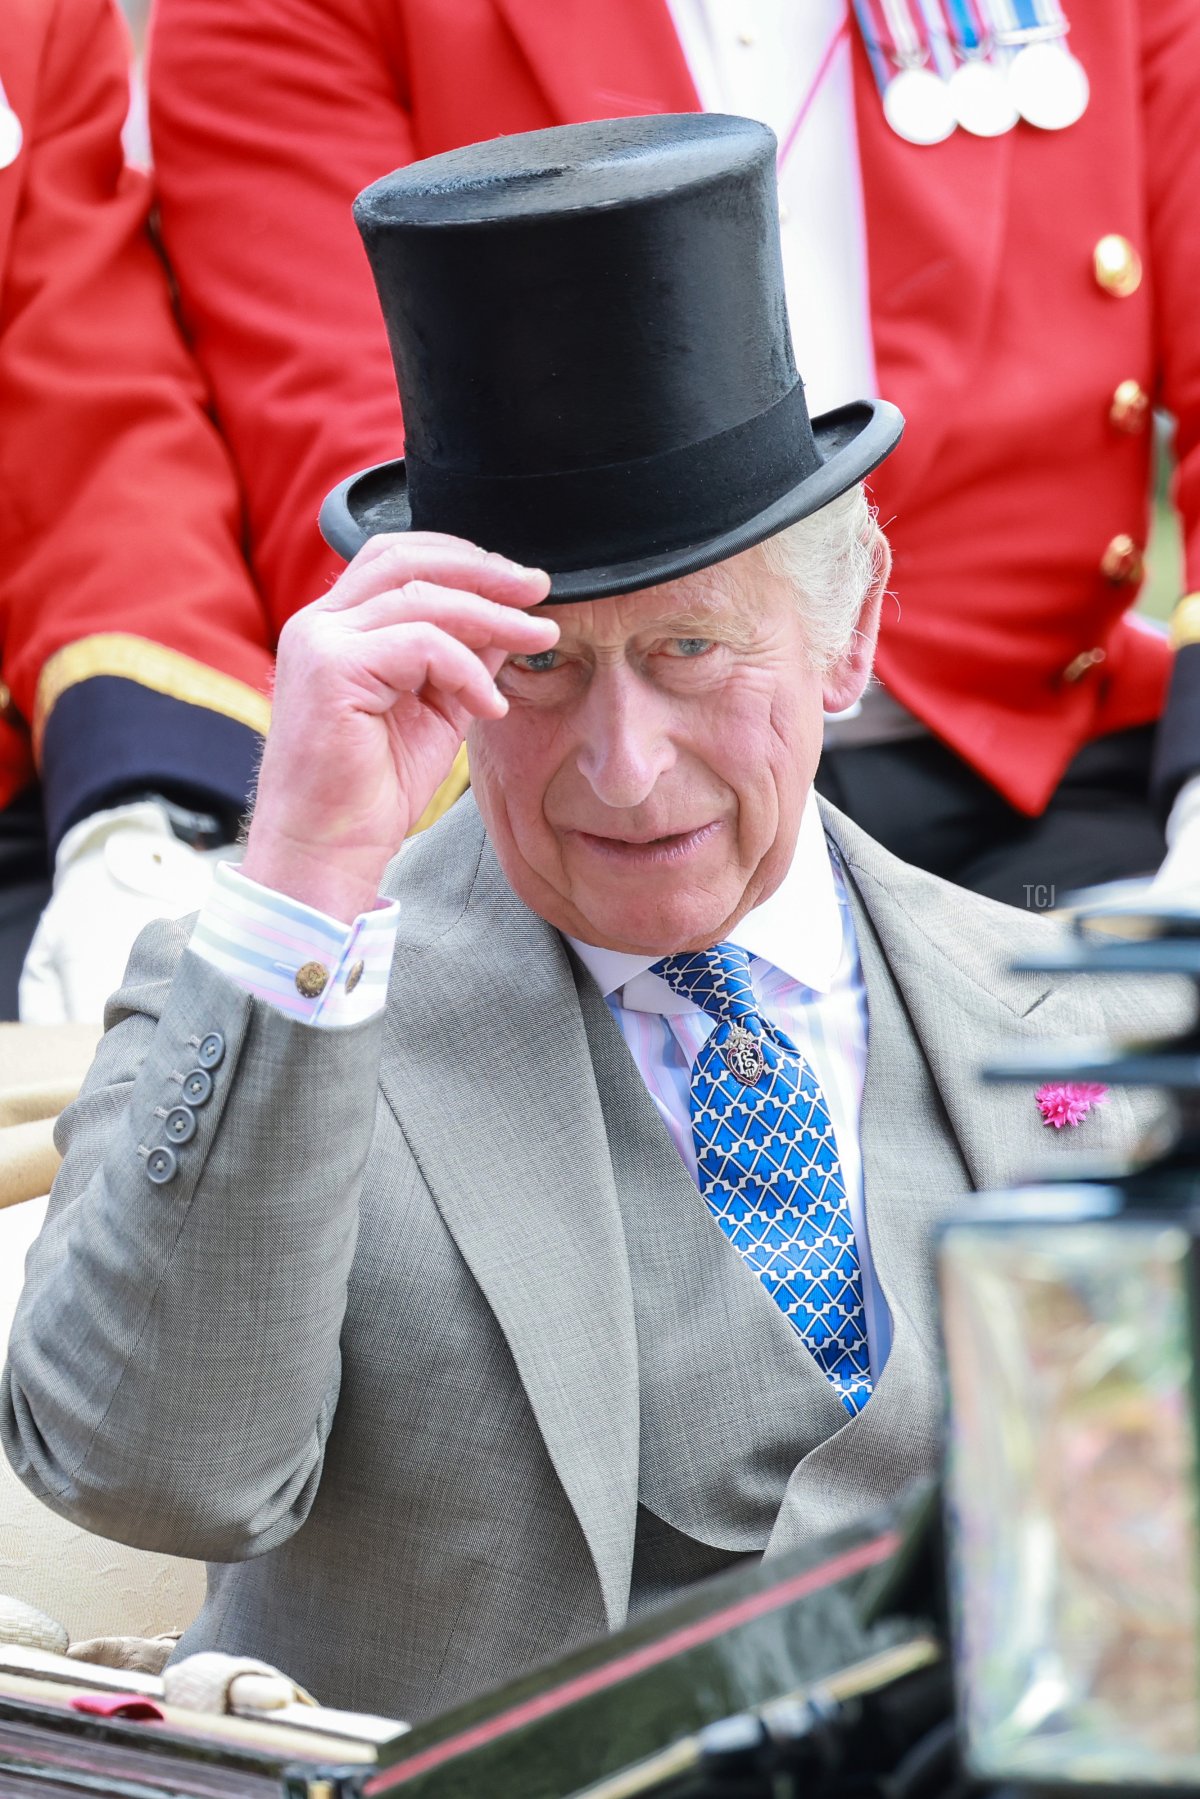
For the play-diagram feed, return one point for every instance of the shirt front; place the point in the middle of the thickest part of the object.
(808, 981)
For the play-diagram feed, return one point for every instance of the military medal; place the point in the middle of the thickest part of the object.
(742, 1054)
(11, 135)
(979, 89)
(982, 100)
(917, 102)
(1049, 86)
(983, 65)
(917, 107)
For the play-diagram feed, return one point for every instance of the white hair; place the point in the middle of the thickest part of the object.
(833, 559)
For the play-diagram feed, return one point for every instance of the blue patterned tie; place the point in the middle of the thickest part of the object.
(769, 1168)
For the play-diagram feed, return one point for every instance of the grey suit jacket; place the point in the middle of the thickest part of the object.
(374, 1352)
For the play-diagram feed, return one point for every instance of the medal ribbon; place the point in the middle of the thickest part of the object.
(909, 49)
(1017, 22)
(972, 47)
(894, 36)
(971, 34)
(876, 42)
(944, 59)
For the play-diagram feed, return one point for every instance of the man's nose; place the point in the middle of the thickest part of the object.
(625, 742)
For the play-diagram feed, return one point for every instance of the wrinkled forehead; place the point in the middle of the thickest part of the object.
(730, 600)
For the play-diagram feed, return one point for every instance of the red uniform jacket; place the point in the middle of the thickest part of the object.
(134, 643)
(991, 331)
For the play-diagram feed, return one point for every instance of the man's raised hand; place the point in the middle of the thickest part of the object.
(375, 686)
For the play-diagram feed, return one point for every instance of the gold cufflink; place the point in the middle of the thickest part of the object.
(312, 979)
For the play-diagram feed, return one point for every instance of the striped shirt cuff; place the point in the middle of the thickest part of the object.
(301, 961)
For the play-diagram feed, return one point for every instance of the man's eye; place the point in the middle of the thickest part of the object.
(690, 646)
(541, 664)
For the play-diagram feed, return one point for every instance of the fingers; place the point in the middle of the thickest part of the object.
(423, 660)
(481, 623)
(391, 561)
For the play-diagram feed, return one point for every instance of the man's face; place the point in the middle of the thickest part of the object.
(645, 789)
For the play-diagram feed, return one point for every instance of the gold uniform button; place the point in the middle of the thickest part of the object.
(1130, 408)
(1121, 562)
(1117, 266)
(354, 977)
(312, 979)
(1082, 664)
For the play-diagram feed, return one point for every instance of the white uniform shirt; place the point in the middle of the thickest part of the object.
(759, 58)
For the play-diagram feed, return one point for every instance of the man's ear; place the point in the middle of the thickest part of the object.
(846, 679)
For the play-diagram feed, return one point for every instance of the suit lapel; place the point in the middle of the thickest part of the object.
(486, 1068)
(913, 1174)
(936, 219)
(944, 1004)
(600, 62)
(951, 956)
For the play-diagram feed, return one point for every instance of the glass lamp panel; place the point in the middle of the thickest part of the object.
(1072, 1496)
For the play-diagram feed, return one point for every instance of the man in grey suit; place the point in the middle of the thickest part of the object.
(456, 1315)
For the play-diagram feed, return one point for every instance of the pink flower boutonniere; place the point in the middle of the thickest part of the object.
(1069, 1102)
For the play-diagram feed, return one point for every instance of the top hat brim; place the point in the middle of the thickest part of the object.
(850, 441)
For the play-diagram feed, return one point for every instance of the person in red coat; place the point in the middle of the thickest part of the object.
(135, 648)
(1027, 298)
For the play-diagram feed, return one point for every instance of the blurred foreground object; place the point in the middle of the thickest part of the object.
(68, 1728)
(811, 1666)
(1071, 1321)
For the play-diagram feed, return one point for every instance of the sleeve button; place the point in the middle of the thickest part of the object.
(354, 977)
(197, 1087)
(162, 1165)
(212, 1050)
(180, 1125)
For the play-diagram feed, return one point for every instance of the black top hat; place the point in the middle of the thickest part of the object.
(591, 344)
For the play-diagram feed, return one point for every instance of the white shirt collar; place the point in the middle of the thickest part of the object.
(798, 930)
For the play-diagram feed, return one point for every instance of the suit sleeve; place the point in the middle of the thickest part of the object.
(174, 1362)
(255, 201)
(1171, 76)
(135, 641)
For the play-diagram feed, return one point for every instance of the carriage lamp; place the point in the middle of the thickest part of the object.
(1070, 1326)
